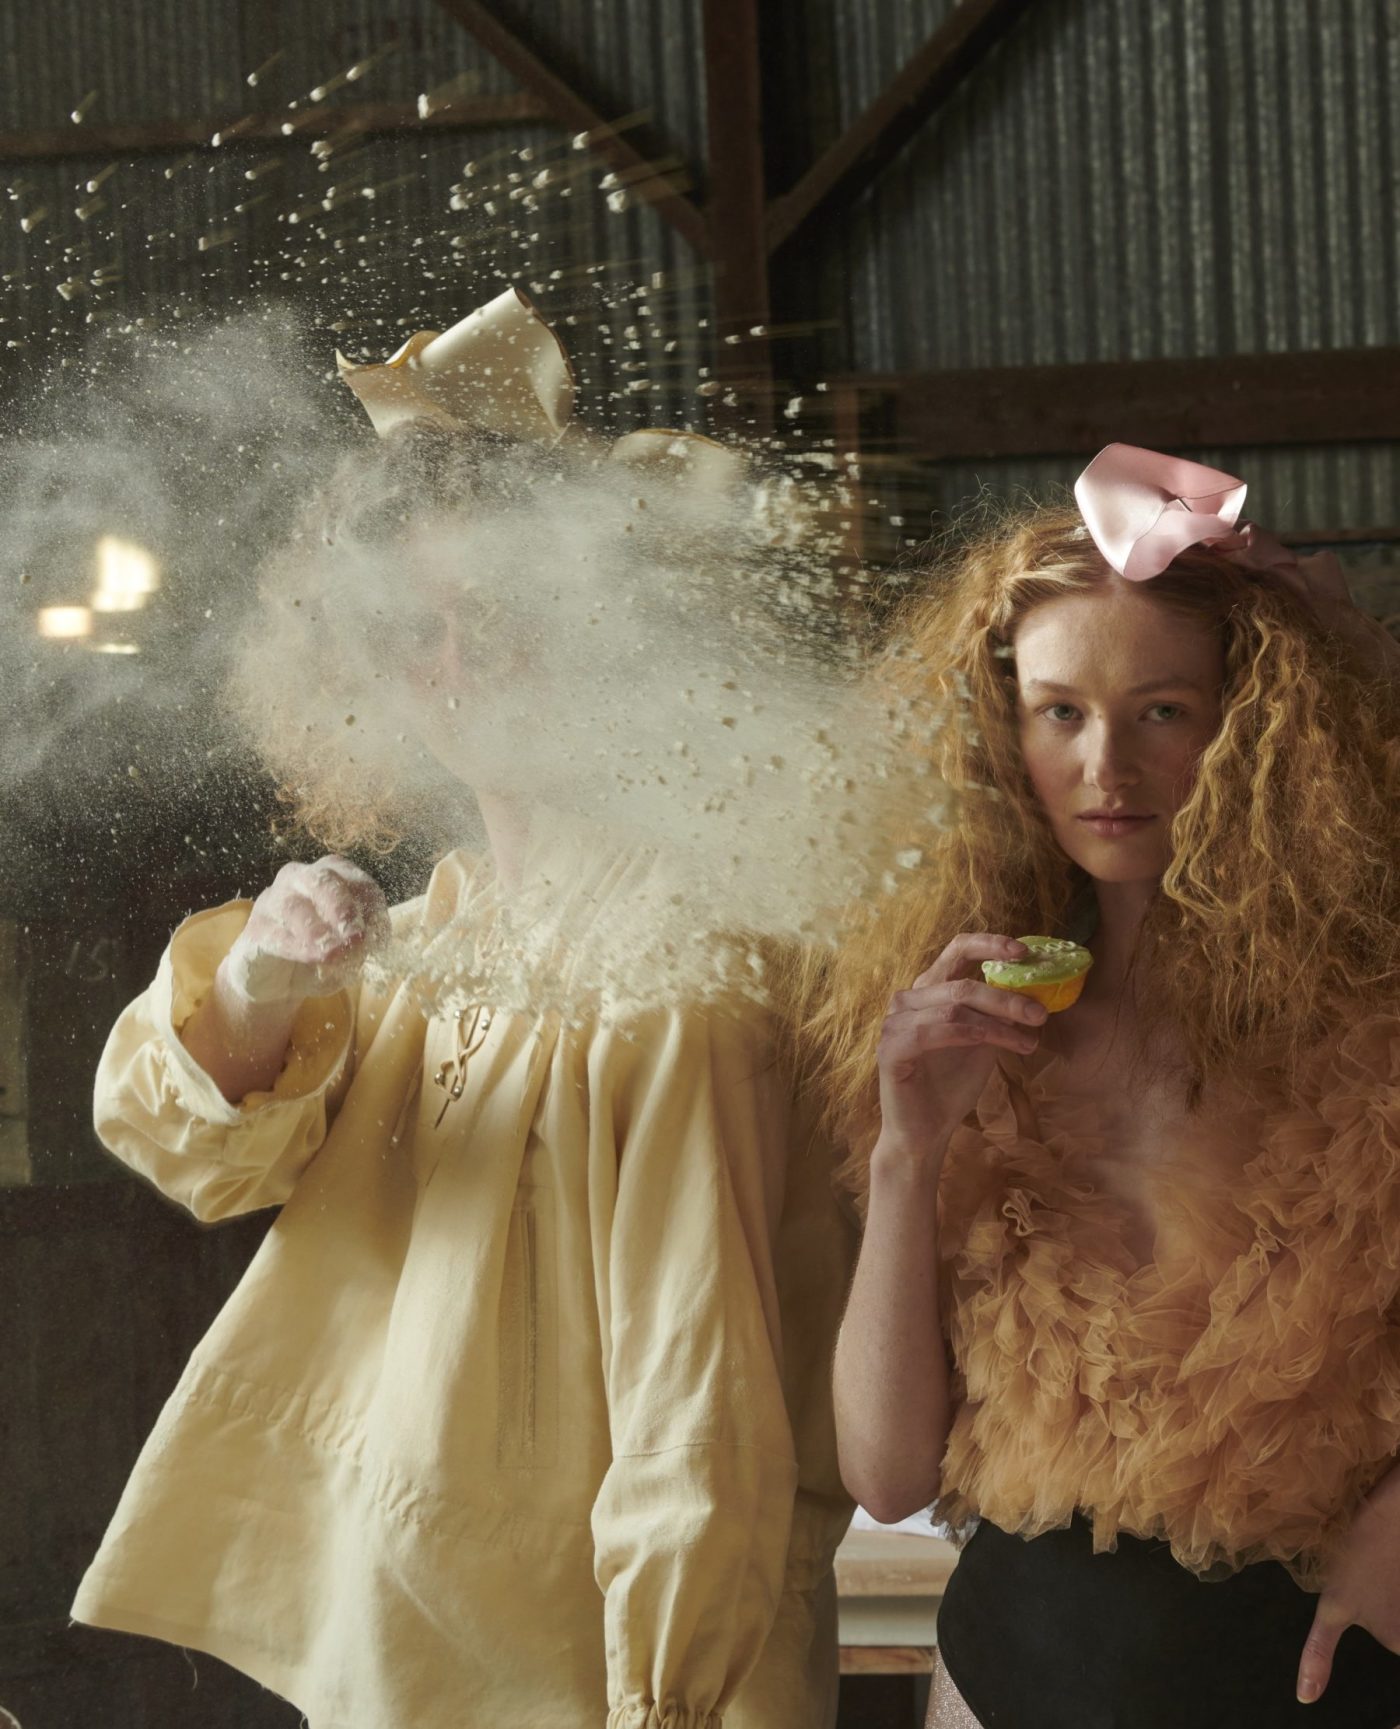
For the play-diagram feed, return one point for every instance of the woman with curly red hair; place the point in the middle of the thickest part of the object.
(1127, 1298)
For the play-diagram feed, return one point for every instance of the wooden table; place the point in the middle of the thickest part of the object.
(888, 1586)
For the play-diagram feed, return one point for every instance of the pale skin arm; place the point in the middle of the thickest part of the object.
(891, 1376)
(937, 1049)
(240, 1045)
(306, 936)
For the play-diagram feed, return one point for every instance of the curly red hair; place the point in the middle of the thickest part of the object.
(1279, 914)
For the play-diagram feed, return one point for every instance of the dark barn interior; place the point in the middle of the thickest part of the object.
(957, 246)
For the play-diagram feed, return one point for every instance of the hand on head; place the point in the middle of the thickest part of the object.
(1320, 583)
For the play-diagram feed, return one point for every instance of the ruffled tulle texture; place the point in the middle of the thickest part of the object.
(1237, 1394)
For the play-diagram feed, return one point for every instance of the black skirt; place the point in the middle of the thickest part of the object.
(1045, 1634)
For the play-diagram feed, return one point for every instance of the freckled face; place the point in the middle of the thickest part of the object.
(1117, 697)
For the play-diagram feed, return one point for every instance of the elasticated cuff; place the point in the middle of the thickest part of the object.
(320, 1038)
(640, 1715)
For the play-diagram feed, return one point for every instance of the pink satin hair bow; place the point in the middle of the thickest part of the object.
(1143, 508)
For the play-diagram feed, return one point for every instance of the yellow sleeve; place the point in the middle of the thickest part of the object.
(160, 1113)
(692, 1522)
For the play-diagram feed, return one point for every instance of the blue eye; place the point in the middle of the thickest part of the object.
(1061, 711)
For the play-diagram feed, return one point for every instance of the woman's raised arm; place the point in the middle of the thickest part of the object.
(305, 937)
(937, 1050)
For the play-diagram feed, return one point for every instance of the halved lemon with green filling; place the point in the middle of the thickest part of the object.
(1055, 976)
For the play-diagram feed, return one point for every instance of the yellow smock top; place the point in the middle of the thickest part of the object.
(519, 1417)
(1238, 1393)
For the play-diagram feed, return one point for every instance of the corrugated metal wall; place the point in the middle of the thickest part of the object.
(435, 237)
(1120, 180)
(1128, 179)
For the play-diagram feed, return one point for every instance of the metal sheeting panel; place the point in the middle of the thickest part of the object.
(412, 238)
(1121, 180)
(623, 56)
(634, 55)
(181, 59)
(368, 272)
(1301, 492)
(156, 60)
(1295, 491)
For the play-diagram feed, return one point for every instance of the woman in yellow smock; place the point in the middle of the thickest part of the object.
(520, 1415)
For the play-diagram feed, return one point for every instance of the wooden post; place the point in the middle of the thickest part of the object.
(737, 208)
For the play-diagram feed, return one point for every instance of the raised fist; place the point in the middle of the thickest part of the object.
(308, 933)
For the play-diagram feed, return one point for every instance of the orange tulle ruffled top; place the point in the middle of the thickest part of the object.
(1235, 1394)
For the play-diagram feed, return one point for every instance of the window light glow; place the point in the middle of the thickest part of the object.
(65, 621)
(127, 576)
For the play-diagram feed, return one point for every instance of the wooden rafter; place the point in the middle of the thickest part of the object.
(153, 137)
(564, 104)
(1323, 396)
(869, 143)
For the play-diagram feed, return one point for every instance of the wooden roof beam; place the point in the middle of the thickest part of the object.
(284, 126)
(563, 103)
(869, 143)
(1319, 396)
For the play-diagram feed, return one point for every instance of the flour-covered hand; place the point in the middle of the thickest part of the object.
(308, 933)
